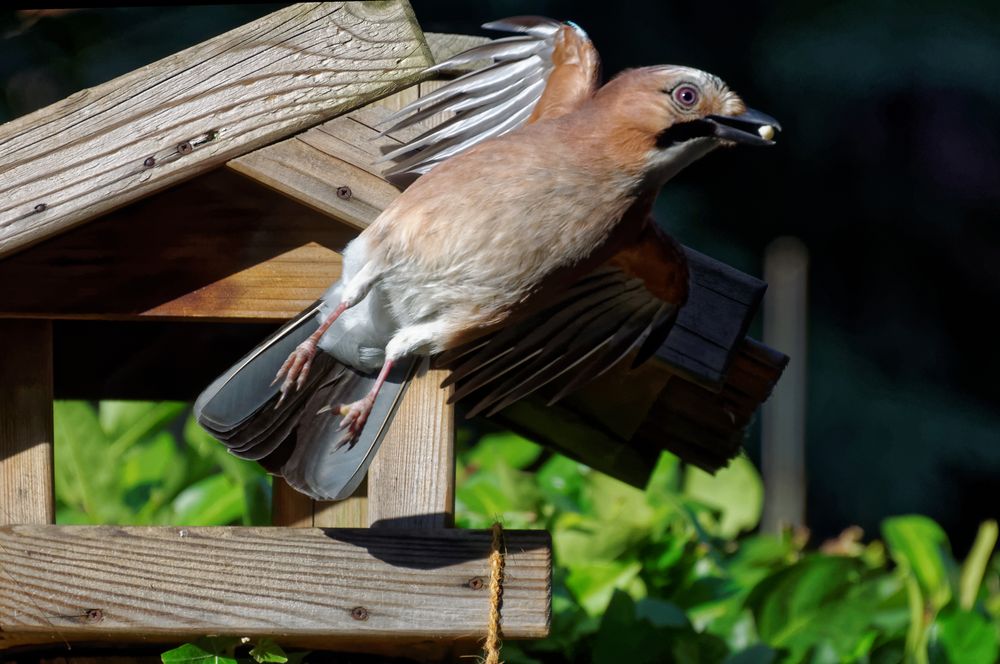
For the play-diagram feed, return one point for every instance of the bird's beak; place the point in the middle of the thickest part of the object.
(749, 127)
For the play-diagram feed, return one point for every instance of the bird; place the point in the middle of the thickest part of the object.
(522, 257)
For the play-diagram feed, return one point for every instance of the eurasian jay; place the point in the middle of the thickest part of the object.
(523, 257)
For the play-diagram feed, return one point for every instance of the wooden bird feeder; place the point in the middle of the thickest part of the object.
(156, 227)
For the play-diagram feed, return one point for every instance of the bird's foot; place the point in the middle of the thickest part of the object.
(353, 418)
(295, 369)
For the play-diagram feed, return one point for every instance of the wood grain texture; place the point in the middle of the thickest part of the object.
(357, 588)
(215, 248)
(26, 493)
(106, 146)
(289, 508)
(351, 512)
(444, 45)
(331, 168)
(411, 482)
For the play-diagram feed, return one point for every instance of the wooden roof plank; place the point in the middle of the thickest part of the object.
(112, 144)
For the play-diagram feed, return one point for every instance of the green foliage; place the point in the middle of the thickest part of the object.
(145, 463)
(230, 650)
(670, 573)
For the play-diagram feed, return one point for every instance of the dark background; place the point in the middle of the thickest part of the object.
(888, 169)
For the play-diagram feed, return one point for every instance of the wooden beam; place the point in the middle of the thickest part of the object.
(365, 589)
(216, 248)
(26, 494)
(142, 132)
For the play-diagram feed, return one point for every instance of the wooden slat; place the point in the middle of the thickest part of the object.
(90, 153)
(314, 168)
(721, 305)
(411, 482)
(26, 422)
(217, 247)
(346, 588)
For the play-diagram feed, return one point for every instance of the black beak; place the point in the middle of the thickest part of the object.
(749, 127)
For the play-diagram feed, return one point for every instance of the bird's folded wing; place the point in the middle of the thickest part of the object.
(545, 71)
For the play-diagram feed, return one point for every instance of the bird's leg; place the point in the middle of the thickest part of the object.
(356, 414)
(296, 367)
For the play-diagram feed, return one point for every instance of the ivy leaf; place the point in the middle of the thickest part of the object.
(210, 650)
(921, 547)
(267, 650)
(967, 637)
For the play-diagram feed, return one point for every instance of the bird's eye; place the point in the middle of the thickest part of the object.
(686, 95)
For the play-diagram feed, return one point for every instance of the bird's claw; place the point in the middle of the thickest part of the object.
(295, 369)
(353, 418)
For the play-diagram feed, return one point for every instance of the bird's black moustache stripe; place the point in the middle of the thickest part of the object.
(684, 131)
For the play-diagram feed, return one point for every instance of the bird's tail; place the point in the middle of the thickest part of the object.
(297, 440)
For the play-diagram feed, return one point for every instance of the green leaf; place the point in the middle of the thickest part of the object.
(975, 564)
(561, 481)
(919, 546)
(213, 501)
(660, 613)
(966, 637)
(128, 422)
(267, 650)
(623, 638)
(758, 654)
(210, 650)
(148, 463)
(506, 448)
(593, 584)
(736, 492)
(84, 477)
(819, 600)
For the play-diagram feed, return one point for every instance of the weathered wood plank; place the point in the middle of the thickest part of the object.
(331, 168)
(304, 586)
(289, 508)
(26, 494)
(444, 45)
(218, 248)
(112, 144)
(411, 482)
(348, 513)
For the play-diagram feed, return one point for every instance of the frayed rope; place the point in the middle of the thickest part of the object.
(491, 649)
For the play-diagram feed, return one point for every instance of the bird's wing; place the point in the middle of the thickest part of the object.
(625, 307)
(545, 71)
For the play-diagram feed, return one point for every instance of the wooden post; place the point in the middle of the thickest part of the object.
(26, 494)
(786, 267)
(411, 482)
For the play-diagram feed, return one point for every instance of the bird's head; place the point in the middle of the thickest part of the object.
(668, 116)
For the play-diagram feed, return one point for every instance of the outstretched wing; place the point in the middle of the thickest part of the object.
(545, 71)
(625, 307)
